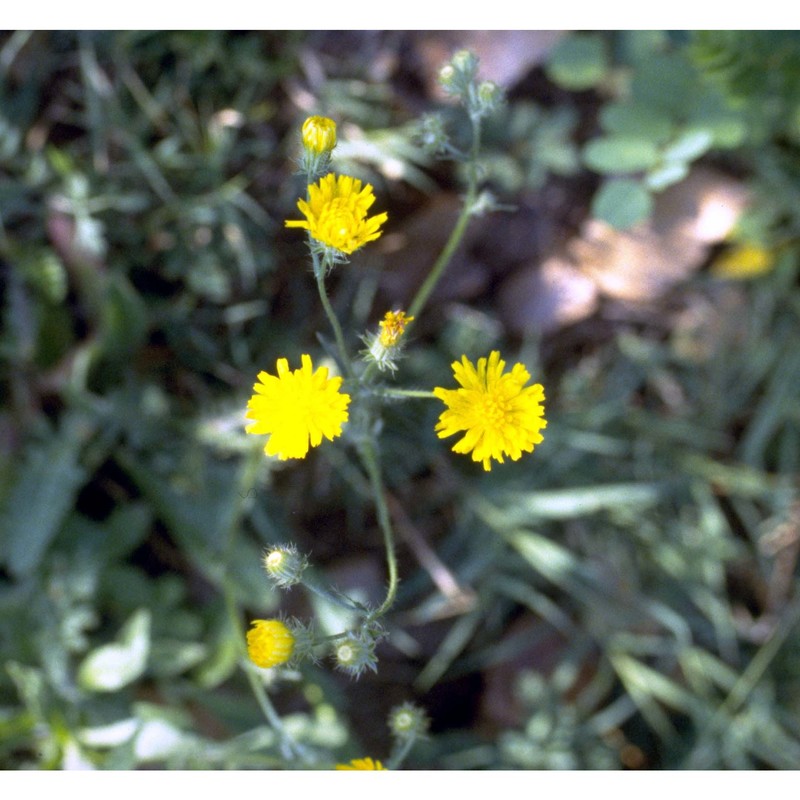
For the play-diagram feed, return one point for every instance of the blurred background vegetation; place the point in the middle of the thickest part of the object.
(624, 597)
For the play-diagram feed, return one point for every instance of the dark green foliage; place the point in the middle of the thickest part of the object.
(630, 589)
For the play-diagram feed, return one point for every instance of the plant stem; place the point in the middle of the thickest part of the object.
(326, 594)
(392, 392)
(319, 274)
(370, 461)
(400, 755)
(289, 747)
(429, 284)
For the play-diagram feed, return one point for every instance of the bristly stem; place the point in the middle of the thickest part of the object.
(291, 748)
(319, 274)
(370, 461)
(313, 585)
(429, 284)
(400, 754)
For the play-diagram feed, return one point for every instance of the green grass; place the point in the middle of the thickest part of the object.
(626, 596)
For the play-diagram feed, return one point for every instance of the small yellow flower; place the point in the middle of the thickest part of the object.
(392, 327)
(362, 764)
(499, 414)
(269, 643)
(319, 135)
(297, 408)
(336, 213)
(743, 262)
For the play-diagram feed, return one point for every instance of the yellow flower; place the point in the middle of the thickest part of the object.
(499, 414)
(319, 135)
(269, 643)
(362, 764)
(742, 262)
(393, 326)
(336, 213)
(297, 408)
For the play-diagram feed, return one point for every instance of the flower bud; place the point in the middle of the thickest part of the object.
(305, 641)
(284, 565)
(354, 653)
(490, 96)
(319, 135)
(465, 62)
(269, 643)
(447, 76)
(456, 76)
(408, 721)
(432, 135)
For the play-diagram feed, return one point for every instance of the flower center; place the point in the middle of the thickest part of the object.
(494, 410)
(345, 654)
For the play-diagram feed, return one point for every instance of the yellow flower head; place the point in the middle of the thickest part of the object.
(269, 643)
(743, 262)
(319, 135)
(336, 213)
(297, 408)
(499, 414)
(392, 327)
(362, 764)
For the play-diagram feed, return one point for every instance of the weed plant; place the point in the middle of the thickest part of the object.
(625, 596)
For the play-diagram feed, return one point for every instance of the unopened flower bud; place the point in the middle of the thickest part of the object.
(432, 135)
(490, 95)
(284, 565)
(458, 77)
(465, 62)
(269, 643)
(319, 135)
(446, 76)
(407, 721)
(354, 653)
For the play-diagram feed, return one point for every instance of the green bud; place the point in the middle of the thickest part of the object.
(432, 135)
(490, 95)
(466, 63)
(446, 75)
(284, 565)
(355, 652)
(457, 76)
(305, 641)
(408, 721)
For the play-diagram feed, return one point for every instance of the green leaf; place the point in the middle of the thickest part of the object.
(637, 120)
(637, 46)
(43, 494)
(579, 501)
(711, 112)
(666, 83)
(123, 321)
(691, 144)
(665, 175)
(614, 155)
(578, 62)
(622, 203)
(112, 666)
